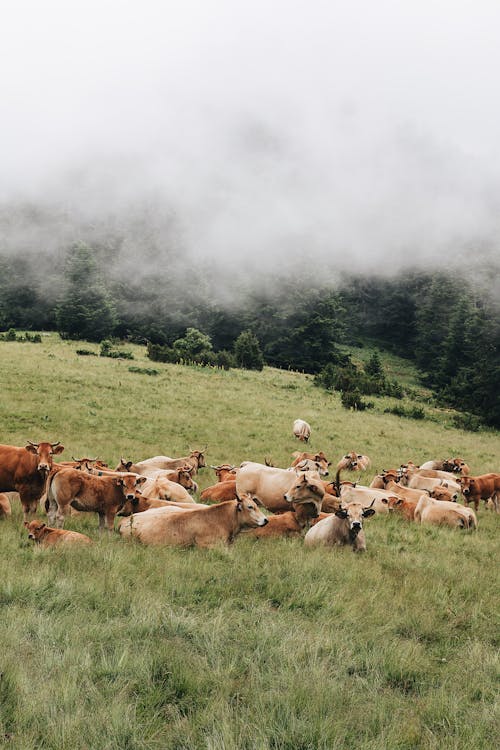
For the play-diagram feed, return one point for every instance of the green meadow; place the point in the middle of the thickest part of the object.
(261, 646)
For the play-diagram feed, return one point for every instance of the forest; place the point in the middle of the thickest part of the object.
(446, 323)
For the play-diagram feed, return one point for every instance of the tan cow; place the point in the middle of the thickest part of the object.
(403, 506)
(161, 488)
(104, 495)
(5, 509)
(442, 513)
(454, 465)
(45, 536)
(302, 430)
(196, 460)
(200, 527)
(368, 497)
(484, 487)
(267, 483)
(310, 462)
(345, 526)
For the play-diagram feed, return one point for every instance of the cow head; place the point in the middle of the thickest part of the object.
(441, 493)
(44, 451)
(307, 488)
(354, 513)
(35, 529)
(456, 465)
(129, 484)
(353, 462)
(184, 478)
(250, 515)
(124, 465)
(467, 485)
(199, 456)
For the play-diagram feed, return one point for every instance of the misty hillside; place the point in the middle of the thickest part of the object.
(448, 326)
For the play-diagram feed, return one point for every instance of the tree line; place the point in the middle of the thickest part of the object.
(448, 325)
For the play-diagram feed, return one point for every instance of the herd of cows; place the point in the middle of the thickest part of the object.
(154, 497)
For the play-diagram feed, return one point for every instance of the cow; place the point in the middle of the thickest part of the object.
(25, 470)
(104, 495)
(442, 513)
(483, 487)
(200, 527)
(162, 488)
(269, 484)
(345, 526)
(404, 506)
(5, 509)
(310, 462)
(288, 524)
(351, 462)
(302, 430)
(196, 460)
(220, 492)
(454, 465)
(368, 497)
(225, 472)
(46, 536)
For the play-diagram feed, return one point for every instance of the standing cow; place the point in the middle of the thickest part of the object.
(25, 470)
(302, 430)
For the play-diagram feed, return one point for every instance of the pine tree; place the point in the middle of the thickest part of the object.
(247, 351)
(86, 310)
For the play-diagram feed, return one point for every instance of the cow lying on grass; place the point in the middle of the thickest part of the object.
(345, 526)
(200, 527)
(45, 536)
(442, 513)
(5, 509)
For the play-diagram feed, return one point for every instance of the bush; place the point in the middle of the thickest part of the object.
(144, 370)
(247, 352)
(108, 351)
(467, 421)
(414, 412)
(86, 353)
(353, 400)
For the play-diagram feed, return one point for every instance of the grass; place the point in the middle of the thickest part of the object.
(265, 645)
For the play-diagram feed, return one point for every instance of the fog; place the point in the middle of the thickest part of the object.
(263, 136)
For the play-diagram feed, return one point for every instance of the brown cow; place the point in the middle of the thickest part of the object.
(45, 536)
(291, 523)
(200, 527)
(25, 470)
(5, 509)
(225, 472)
(220, 492)
(484, 487)
(404, 506)
(104, 495)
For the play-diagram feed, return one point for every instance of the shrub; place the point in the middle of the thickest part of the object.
(467, 421)
(247, 351)
(414, 412)
(86, 353)
(353, 400)
(144, 370)
(108, 351)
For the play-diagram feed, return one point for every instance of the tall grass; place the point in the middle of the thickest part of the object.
(265, 645)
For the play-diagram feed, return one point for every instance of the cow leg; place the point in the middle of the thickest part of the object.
(102, 521)
(29, 503)
(60, 516)
(110, 519)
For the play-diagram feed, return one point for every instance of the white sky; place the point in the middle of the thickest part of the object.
(357, 133)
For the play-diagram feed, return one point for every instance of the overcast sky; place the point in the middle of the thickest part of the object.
(353, 134)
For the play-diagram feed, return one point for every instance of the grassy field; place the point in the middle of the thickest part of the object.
(264, 645)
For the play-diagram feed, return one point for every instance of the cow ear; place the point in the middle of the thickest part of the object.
(42, 526)
(368, 512)
(58, 449)
(30, 448)
(118, 481)
(239, 505)
(26, 524)
(341, 513)
(141, 480)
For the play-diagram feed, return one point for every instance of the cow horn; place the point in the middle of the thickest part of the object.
(371, 503)
(54, 445)
(35, 445)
